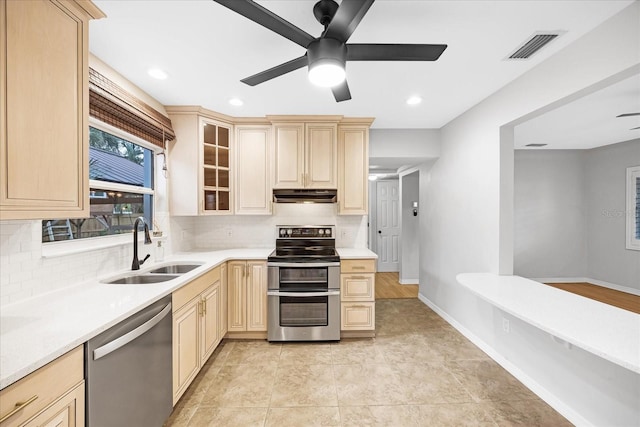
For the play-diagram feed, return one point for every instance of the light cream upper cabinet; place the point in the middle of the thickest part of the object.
(289, 155)
(253, 170)
(353, 169)
(44, 108)
(200, 168)
(306, 154)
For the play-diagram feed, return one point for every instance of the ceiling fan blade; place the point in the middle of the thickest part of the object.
(347, 18)
(394, 52)
(268, 19)
(628, 115)
(276, 71)
(341, 92)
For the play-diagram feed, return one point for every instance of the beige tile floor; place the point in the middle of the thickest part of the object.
(418, 371)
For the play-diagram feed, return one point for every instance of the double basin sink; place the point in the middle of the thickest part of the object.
(157, 275)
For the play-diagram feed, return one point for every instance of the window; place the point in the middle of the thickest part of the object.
(121, 187)
(633, 208)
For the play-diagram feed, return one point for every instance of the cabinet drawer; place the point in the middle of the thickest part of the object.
(359, 316)
(357, 287)
(358, 266)
(47, 384)
(194, 288)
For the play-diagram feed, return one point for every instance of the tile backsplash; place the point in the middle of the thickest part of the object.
(260, 231)
(24, 272)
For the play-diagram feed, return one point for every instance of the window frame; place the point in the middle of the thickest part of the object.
(65, 247)
(633, 174)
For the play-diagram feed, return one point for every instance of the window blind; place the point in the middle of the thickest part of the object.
(112, 104)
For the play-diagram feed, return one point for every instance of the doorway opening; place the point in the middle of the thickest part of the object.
(394, 234)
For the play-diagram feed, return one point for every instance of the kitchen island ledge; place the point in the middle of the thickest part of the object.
(604, 330)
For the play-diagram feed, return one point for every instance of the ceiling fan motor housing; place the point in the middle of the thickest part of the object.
(324, 11)
(324, 50)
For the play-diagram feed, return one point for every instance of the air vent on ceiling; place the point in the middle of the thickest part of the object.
(533, 45)
(536, 145)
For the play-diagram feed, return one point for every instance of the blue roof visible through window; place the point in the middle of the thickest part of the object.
(108, 166)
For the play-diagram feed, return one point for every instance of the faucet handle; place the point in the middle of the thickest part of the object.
(145, 258)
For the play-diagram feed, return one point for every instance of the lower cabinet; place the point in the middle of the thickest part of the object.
(51, 396)
(247, 296)
(357, 295)
(197, 309)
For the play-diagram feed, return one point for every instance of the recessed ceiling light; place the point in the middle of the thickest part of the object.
(236, 102)
(157, 73)
(414, 100)
(373, 177)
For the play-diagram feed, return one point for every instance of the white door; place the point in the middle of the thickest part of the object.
(388, 225)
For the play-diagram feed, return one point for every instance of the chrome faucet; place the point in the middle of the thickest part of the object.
(147, 241)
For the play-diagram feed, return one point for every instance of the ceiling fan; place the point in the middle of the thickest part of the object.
(629, 115)
(326, 55)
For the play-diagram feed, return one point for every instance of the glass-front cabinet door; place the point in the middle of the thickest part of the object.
(215, 168)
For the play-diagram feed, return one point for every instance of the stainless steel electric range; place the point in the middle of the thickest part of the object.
(304, 285)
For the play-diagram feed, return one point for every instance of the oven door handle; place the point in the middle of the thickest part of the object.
(303, 264)
(302, 294)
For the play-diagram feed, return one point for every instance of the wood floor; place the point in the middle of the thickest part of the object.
(388, 287)
(599, 293)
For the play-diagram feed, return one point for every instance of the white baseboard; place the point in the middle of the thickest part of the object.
(544, 394)
(409, 281)
(602, 283)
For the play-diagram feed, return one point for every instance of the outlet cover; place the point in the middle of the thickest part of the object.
(506, 327)
(228, 232)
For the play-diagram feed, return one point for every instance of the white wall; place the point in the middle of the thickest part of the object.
(550, 215)
(410, 242)
(409, 143)
(570, 215)
(470, 212)
(403, 146)
(608, 258)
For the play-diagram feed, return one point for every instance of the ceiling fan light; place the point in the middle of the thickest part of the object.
(326, 73)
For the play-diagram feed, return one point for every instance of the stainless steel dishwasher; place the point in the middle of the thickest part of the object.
(128, 371)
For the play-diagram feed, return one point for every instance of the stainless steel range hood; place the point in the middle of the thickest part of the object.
(305, 196)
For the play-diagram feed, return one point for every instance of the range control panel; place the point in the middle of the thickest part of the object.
(306, 232)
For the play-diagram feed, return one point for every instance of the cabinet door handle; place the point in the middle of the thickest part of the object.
(204, 306)
(358, 267)
(199, 308)
(18, 406)
(359, 277)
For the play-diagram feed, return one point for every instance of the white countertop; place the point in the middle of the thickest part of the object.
(38, 330)
(607, 331)
(355, 253)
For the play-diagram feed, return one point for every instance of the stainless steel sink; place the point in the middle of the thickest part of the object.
(175, 268)
(142, 279)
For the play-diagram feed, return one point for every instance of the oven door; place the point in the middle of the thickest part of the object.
(303, 316)
(304, 302)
